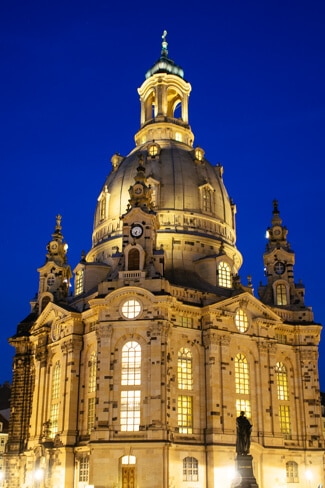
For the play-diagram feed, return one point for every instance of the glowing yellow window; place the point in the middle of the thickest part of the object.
(184, 369)
(131, 309)
(224, 275)
(131, 364)
(285, 421)
(185, 414)
(281, 295)
(282, 381)
(130, 410)
(241, 320)
(241, 375)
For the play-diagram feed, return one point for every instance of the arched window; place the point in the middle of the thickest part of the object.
(185, 382)
(190, 469)
(102, 208)
(184, 369)
(282, 381)
(283, 397)
(131, 364)
(92, 372)
(292, 472)
(242, 385)
(79, 286)
(134, 259)
(224, 275)
(241, 320)
(281, 294)
(55, 399)
(206, 200)
(130, 377)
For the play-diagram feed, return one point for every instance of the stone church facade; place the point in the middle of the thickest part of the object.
(136, 380)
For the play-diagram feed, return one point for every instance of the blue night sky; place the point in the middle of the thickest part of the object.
(70, 73)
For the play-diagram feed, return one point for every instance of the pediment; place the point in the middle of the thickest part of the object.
(50, 314)
(257, 309)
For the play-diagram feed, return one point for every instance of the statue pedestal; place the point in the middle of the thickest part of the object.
(246, 478)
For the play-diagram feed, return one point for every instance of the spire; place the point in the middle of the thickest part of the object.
(57, 248)
(164, 63)
(140, 192)
(164, 44)
(277, 233)
(57, 235)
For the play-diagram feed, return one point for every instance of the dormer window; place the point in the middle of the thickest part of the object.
(224, 275)
(79, 283)
(199, 154)
(281, 297)
(153, 150)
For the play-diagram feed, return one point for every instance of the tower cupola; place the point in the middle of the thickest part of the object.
(164, 102)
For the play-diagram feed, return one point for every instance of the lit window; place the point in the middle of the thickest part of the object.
(199, 153)
(84, 469)
(91, 414)
(292, 472)
(185, 369)
(178, 137)
(102, 209)
(243, 405)
(241, 375)
(285, 422)
(241, 320)
(190, 469)
(130, 410)
(224, 275)
(281, 295)
(282, 381)
(153, 150)
(92, 367)
(128, 460)
(185, 414)
(186, 322)
(207, 200)
(131, 309)
(55, 399)
(79, 286)
(131, 364)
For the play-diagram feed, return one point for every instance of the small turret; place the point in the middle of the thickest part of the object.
(281, 291)
(55, 274)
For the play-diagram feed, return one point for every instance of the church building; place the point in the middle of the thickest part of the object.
(137, 377)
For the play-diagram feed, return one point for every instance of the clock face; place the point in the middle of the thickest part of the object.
(138, 190)
(279, 268)
(136, 231)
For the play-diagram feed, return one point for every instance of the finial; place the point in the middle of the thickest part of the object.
(275, 206)
(164, 44)
(58, 222)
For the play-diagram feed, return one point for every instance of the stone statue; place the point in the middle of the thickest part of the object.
(244, 429)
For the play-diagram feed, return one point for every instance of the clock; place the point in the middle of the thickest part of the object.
(138, 190)
(277, 231)
(279, 267)
(53, 246)
(136, 230)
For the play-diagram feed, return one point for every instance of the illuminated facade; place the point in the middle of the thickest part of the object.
(136, 380)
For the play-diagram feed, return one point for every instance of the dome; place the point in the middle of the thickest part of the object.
(196, 216)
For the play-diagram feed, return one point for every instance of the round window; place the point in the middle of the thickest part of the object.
(131, 309)
(241, 320)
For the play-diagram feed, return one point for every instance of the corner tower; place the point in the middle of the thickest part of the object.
(281, 291)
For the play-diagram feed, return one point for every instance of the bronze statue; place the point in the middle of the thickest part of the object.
(244, 429)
